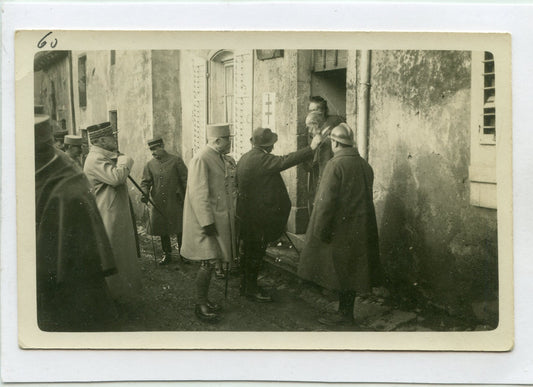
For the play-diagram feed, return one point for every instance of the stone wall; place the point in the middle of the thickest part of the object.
(434, 243)
(125, 87)
(52, 90)
(289, 78)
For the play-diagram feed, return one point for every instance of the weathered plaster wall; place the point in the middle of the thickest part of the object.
(433, 242)
(55, 80)
(187, 60)
(166, 100)
(125, 87)
(281, 76)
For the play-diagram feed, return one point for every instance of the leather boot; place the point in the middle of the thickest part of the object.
(213, 306)
(204, 313)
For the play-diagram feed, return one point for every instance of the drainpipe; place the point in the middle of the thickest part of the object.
(363, 102)
(72, 111)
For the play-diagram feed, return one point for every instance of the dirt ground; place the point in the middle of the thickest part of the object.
(168, 299)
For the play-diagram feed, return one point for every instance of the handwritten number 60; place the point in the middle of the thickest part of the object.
(43, 42)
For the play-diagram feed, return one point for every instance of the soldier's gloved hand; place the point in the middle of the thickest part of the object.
(144, 199)
(210, 230)
(316, 141)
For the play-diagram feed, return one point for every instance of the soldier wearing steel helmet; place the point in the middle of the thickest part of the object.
(341, 251)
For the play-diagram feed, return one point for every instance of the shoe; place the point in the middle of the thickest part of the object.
(204, 313)
(258, 297)
(333, 319)
(219, 274)
(167, 258)
(213, 306)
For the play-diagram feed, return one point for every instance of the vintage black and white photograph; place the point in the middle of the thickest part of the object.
(219, 184)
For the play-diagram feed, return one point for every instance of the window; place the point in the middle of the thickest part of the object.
(221, 89)
(482, 171)
(489, 100)
(112, 57)
(114, 122)
(82, 80)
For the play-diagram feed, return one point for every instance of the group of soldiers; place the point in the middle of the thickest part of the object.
(221, 211)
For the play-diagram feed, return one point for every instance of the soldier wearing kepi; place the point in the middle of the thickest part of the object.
(341, 251)
(209, 214)
(263, 204)
(165, 180)
(107, 171)
(73, 146)
(73, 255)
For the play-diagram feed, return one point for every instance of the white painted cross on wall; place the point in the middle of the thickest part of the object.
(269, 111)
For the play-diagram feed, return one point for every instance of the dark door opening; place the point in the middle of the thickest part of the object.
(331, 85)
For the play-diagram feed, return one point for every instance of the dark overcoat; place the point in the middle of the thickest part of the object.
(73, 253)
(341, 251)
(263, 204)
(166, 181)
(323, 154)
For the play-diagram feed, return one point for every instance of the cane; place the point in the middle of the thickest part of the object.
(152, 237)
(147, 196)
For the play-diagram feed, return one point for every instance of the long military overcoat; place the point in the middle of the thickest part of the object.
(107, 174)
(210, 198)
(263, 203)
(166, 181)
(341, 251)
(73, 253)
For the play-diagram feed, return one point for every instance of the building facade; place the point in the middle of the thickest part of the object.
(426, 121)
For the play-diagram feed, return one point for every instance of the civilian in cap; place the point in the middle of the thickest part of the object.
(314, 123)
(73, 147)
(209, 214)
(320, 105)
(108, 171)
(341, 251)
(165, 180)
(263, 203)
(73, 254)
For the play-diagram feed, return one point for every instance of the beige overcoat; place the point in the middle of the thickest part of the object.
(210, 198)
(107, 174)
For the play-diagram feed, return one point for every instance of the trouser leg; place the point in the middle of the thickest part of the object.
(253, 252)
(346, 302)
(165, 244)
(203, 279)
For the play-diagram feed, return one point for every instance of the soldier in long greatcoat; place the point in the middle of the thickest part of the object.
(341, 251)
(73, 254)
(165, 180)
(107, 171)
(209, 214)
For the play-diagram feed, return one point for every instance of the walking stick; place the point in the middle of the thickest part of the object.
(147, 196)
(151, 236)
(292, 244)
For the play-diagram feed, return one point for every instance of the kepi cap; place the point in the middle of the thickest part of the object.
(263, 137)
(71, 139)
(155, 142)
(101, 130)
(218, 130)
(42, 128)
